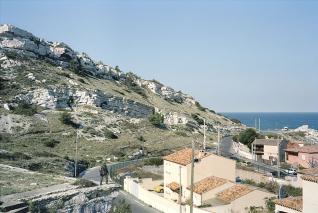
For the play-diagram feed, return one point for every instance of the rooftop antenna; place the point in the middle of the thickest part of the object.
(204, 136)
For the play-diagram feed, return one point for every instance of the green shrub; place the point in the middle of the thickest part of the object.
(293, 191)
(154, 161)
(109, 134)
(270, 205)
(234, 120)
(66, 118)
(181, 133)
(14, 156)
(157, 119)
(65, 74)
(81, 80)
(248, 136)
(141, 138)
(12, 55)
(51, 143)
(74, 66)
(199, 120)
(24, 108)
(201, 108)
(121, 207)
(84, 183)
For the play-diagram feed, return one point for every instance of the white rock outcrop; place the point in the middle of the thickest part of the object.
(66, 98)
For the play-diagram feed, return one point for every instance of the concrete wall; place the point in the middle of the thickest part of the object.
(284, 209)
(310, 199)
(270, 151)
(255, 198)
(132, 186)
(212, 165)
(172, 174)
(292, 159)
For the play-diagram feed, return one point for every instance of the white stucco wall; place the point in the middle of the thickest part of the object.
(172, 174)
(310, 198)
(213, 165)
(270, 151)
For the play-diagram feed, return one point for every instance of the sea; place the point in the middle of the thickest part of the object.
(276, 120)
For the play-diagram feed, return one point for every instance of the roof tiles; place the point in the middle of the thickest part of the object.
(295, 203)
(304, 149)
(184, 156)
(234, 193)
(208, 184)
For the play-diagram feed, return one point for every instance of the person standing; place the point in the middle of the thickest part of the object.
(103, 171)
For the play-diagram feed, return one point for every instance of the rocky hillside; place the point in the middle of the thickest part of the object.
(45, 86)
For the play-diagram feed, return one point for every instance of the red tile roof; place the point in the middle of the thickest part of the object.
(305, 149)
(295, 203)
(234, 193)
(208, 184)
(311, 178)
(184, 156)
(174, 186)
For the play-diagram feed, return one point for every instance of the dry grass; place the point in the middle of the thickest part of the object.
(14, 181)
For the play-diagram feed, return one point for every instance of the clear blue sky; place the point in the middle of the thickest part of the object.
(234, 56)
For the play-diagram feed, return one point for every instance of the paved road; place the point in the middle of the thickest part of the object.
(226, 149)
(91, 174)
(136, 205)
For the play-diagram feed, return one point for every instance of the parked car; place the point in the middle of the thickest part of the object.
(291, 171)
(159, 188)
(238, 179)
(275, 174)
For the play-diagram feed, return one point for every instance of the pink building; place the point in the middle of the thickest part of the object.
(306, 156)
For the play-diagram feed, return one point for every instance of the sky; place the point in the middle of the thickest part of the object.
(232, 56)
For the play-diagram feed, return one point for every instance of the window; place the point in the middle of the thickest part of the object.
(303, 157)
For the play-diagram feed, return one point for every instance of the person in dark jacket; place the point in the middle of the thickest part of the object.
(103, 171)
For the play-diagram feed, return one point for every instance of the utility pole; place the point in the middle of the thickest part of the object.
(75, 167)
(180, 192)
(255, 124)
(218, 140)
(204, 136)
(192, 177)
(278, 159)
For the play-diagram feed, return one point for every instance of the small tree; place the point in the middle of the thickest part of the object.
(157, 119)
(66, 119)
(248, 136)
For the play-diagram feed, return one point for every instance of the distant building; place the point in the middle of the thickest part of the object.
(268, 150)
(305, 156)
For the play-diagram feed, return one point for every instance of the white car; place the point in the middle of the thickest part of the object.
(291, 171)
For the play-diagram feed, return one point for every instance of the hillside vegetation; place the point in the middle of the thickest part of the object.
(50, 95)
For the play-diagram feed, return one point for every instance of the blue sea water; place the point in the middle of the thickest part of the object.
(276, 120)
